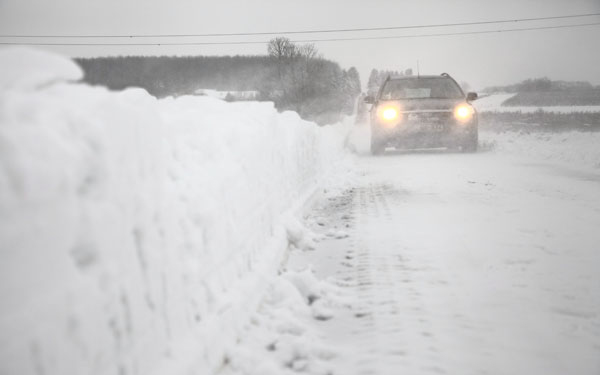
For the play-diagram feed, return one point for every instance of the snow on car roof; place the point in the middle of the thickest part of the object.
(418, 77)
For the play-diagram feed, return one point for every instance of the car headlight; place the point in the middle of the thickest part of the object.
(388, 115)
(464, 112)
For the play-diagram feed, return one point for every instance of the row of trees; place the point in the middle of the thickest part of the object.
(293, 76)
(541, 85)
(171, 76)
(377, 77)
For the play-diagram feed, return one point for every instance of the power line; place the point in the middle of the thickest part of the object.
(304, 40)
(310, 31)
(450, 34)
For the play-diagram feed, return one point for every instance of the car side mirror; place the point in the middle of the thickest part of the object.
(471, 96)
(369, 99)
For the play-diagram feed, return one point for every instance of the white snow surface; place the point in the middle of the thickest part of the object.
(211, 93)
(493, 103)
(281, 338)
(450, 263)
(26, 68)
(461, 264)
(246, 95)
(573, 148)
(137, 235)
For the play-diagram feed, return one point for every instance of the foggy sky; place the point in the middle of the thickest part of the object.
(480, 60)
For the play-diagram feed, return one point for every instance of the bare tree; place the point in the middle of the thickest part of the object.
(281, 48)
(309, 84)
(308, 51)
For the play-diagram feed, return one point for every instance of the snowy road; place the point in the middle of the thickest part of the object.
(461, 264)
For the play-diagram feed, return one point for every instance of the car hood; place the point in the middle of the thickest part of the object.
(424, 104)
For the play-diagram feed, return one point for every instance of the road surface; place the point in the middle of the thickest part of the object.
(461, 264)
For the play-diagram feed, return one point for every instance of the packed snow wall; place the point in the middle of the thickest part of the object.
(135, 233)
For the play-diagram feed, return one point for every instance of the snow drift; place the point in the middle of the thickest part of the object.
(573, 148)
(134, 232)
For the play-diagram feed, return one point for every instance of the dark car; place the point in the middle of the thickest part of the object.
(423, 112)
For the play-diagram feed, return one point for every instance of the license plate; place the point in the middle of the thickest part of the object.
(429, 117)
(426, 128)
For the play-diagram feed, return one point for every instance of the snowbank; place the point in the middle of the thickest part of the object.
(136, 234)
(492, 102)
(24, 68)
(576, 149)
(282, 338)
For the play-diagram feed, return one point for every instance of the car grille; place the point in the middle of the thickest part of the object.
(427, 121)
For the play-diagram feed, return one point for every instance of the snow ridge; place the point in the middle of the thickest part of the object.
(136, 234)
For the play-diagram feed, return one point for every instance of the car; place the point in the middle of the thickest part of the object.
(424, 111)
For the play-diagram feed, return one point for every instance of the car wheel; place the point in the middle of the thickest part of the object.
(471, 142)
(376, 148)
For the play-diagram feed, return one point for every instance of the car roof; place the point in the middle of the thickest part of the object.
(419, 76)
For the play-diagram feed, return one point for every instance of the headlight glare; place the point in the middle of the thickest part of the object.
(389, 114)
(464, 112)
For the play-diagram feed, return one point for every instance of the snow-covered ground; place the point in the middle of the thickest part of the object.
(434, 262)
(572, 149)
(238, 95)
(493, 103)
(136, 234)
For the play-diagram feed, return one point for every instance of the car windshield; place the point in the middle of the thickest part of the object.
(421, 88)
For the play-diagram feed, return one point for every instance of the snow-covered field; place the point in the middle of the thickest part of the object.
(572, 149)
(137, 234)
(145, 236)
(493, 103)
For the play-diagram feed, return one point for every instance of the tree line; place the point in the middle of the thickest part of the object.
(294, 76)
(546, 92)
(541, 85)
(377, 77)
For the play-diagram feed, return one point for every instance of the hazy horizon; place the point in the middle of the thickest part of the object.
(481, 60)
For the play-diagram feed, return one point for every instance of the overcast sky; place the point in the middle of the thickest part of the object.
(480, 60)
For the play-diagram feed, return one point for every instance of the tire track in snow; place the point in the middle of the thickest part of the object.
(468, 271)
(394, 309)
(388, 319)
